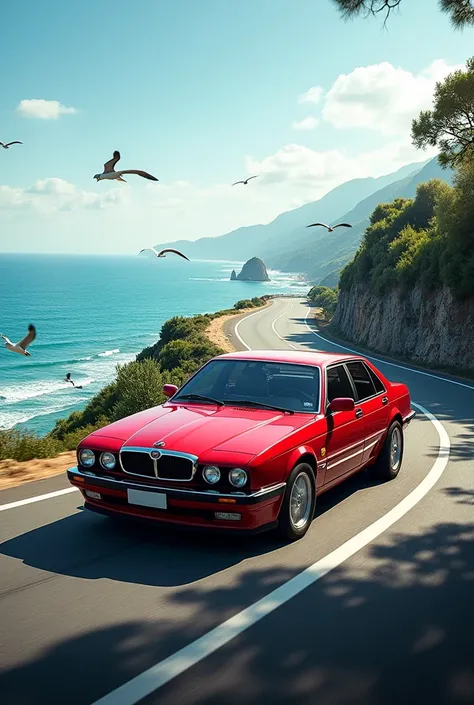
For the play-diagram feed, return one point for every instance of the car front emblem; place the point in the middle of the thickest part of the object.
(155, 454)
(158, 444)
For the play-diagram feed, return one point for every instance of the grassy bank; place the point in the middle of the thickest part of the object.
(182, 348)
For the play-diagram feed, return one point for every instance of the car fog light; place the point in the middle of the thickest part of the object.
(228, 516)
(87, 457)
(238, 477)
(211, 474)
(93, 495)
(107, 460)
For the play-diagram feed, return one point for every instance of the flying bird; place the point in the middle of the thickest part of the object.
(329, 227)
(20, 347)
(162, 253)
(68, 379)
(110, 173)
(6, 145)
(245, 181)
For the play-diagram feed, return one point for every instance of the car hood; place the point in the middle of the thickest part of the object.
(200, 430)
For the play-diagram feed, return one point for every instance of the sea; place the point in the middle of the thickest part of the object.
(94, 312)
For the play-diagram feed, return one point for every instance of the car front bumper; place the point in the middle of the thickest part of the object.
(187, 507)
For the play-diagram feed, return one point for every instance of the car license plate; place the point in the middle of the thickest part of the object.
(156, 500)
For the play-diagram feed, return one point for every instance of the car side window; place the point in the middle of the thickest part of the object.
(379, 387)
(338, 383)
(363, 383)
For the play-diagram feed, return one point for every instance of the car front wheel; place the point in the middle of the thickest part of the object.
(388, 464)
(297, 509)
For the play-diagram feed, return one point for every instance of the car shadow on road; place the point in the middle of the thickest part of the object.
(89, 546)
(393, 627)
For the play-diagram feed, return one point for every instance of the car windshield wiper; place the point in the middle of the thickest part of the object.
(249, 402)
(199, 397)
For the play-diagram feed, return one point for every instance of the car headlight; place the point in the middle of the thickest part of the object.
(86, 457)
(107, 460)
(211, 474)
(237, 477)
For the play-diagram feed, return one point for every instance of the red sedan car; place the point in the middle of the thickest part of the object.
(248, 442)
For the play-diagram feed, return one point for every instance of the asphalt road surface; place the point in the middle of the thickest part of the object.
(374, 605)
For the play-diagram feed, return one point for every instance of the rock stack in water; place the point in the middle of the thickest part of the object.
(233, 276)
(253, 271)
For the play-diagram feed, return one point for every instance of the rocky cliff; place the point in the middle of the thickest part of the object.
(233, 276)
(253, 271)
(430, 327)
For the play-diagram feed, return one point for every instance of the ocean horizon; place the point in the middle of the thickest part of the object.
(92, 312)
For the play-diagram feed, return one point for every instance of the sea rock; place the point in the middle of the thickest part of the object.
(233, 276)
(254, 271)
(425, 326)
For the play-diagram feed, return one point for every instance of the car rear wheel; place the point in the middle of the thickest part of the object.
(388, 464)
(297, 509)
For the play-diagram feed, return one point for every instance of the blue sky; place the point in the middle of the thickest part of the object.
(200, 94)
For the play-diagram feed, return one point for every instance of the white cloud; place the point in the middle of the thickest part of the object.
(320, 171)
(313, 95)
(52, 195)
(307, 123)
(382, 97)
(43, 109)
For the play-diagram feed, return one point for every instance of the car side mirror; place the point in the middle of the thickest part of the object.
(342, 404)
(170, 390)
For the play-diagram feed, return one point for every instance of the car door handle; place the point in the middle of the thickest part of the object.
(385, 400)
(359, 413)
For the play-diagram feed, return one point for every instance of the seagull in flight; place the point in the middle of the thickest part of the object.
(329, 228)
(68, 379)
(162, 253)
(20, 347)
(245, 181)
(110, 173)
(7, 145)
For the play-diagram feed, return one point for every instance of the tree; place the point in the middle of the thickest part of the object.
(450, 124)
(461, 12)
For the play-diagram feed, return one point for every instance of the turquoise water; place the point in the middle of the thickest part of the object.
(92, 312)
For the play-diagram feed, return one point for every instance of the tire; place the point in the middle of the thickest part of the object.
(389, 461)
(300, 482)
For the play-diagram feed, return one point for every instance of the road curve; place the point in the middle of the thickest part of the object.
(87, 607)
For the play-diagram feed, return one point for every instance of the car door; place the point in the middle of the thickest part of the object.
(345, 429)
(371, 404)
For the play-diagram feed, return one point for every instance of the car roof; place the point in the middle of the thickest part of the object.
(303, 357)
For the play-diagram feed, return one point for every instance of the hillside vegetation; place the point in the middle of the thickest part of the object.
(428, 240)
(181, 349)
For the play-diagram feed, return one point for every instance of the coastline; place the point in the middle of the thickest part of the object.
(14, 473)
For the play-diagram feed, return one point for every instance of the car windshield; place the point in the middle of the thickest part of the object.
(279, 384)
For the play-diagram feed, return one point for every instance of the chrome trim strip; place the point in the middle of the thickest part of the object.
(371, 445)
(353, 445)
(409, 417)
(333, 465)
(174, 453)
(258, 493)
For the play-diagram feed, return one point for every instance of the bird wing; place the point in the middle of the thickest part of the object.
(29, 337)
(342, 225)
(252, 177)
(151, 249)
(7, 340)
(313, 225)
(2, 144)
(109, 166)
(145, 174)
(15, 142)
(176, 252)
(238, 182)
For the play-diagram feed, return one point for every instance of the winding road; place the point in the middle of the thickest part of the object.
(375, 604)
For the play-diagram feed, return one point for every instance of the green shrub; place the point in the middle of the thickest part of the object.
(326, 298)
(428, 240)
(24, 445)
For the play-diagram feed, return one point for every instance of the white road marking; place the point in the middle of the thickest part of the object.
(384, 362)
(287, 310)
(163, 672)
(38, 498)
(245, 318)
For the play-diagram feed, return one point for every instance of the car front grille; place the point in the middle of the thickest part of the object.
(168, 467)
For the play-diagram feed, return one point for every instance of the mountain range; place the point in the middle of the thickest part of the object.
(286, 244)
